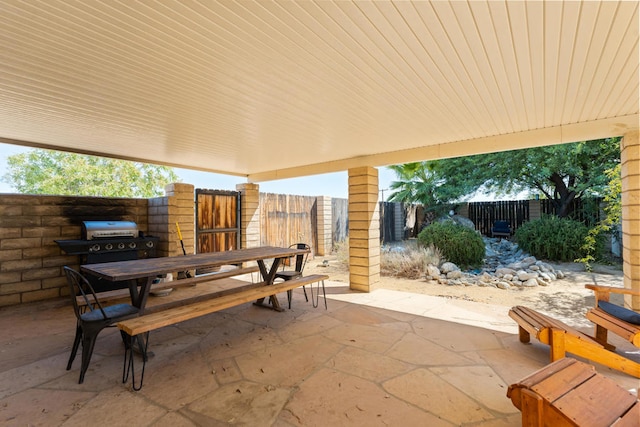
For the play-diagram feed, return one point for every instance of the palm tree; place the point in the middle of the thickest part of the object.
(416, 184)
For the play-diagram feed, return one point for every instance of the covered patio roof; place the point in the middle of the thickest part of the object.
(280, 89)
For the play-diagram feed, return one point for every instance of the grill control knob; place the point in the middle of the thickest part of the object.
(120, 245)
(132, 245)
(94, 248)
(149, 244)
(108, 246)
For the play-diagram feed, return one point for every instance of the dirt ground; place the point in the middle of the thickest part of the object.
(565, 299)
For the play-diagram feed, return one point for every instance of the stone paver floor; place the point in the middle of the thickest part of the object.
(385, 358)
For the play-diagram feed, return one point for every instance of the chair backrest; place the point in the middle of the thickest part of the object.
(79, 286)
(301, 259)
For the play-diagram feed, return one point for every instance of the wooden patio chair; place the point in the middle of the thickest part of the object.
(570, 393)
(563, 339)
(611, 317)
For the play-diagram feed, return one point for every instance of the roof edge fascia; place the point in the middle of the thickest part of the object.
(603, 128)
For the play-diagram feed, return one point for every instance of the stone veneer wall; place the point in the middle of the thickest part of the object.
(30, 260)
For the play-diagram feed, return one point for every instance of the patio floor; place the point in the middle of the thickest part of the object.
(383, 358)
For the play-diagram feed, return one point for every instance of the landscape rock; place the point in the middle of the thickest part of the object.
(503, 285)
(504, 271)
(455, 274)
(506, 266)
(523, 276)
(448, 267)
(541, 282)
(545, 276)
(432, 272)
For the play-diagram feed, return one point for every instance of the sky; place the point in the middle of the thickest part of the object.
(332, 184)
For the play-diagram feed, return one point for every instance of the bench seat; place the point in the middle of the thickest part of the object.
(562, 339)
(159, 319)
(165, 317)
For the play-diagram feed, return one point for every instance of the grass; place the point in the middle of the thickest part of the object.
(405, 259)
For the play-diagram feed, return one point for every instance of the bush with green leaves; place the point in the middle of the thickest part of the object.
(458, 244)
(553, 238)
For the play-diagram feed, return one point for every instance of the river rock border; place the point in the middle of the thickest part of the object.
(506, 267)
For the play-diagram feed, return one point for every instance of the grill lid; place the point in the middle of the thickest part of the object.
(108, 229)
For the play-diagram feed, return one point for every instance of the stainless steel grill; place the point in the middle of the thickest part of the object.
(109, 241)
(109, 229)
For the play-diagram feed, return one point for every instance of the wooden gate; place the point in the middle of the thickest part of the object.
(217, 220)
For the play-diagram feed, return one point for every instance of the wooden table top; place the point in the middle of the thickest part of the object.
(150, 267)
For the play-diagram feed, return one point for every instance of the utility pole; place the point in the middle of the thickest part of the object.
(382, 227)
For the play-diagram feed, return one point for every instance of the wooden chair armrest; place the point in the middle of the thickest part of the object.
(602, 292)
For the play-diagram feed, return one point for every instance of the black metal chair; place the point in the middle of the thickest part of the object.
(91, 317)
(301, 261)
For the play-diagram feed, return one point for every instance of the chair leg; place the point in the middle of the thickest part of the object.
(129, 368)
(324, 293)
(88, 343)
(74, 348)
(305, 293)
(289, 296)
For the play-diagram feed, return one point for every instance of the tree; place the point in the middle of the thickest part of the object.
(61, 173)
(613, 215)
(560, 173)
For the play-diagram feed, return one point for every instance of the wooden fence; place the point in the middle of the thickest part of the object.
(339, 220)
(287, 219)
(584, 210)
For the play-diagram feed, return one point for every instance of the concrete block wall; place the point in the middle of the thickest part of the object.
(30, 260)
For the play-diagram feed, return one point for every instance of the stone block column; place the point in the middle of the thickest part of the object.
(177, 206)
(364, 229)
(535, 210)
(250, 214)
(324, 219)
(630, 171)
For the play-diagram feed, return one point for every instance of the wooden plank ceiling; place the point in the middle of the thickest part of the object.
(275, 89)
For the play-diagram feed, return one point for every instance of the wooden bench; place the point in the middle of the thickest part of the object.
(570, 393)
(607, 322)
(165, 317)
(117, 294)
(562, 339)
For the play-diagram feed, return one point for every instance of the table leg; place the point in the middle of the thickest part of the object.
(268, 277)
(139, 297)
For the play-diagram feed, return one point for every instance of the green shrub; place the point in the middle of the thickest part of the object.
(553, 238)
(458, 244)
